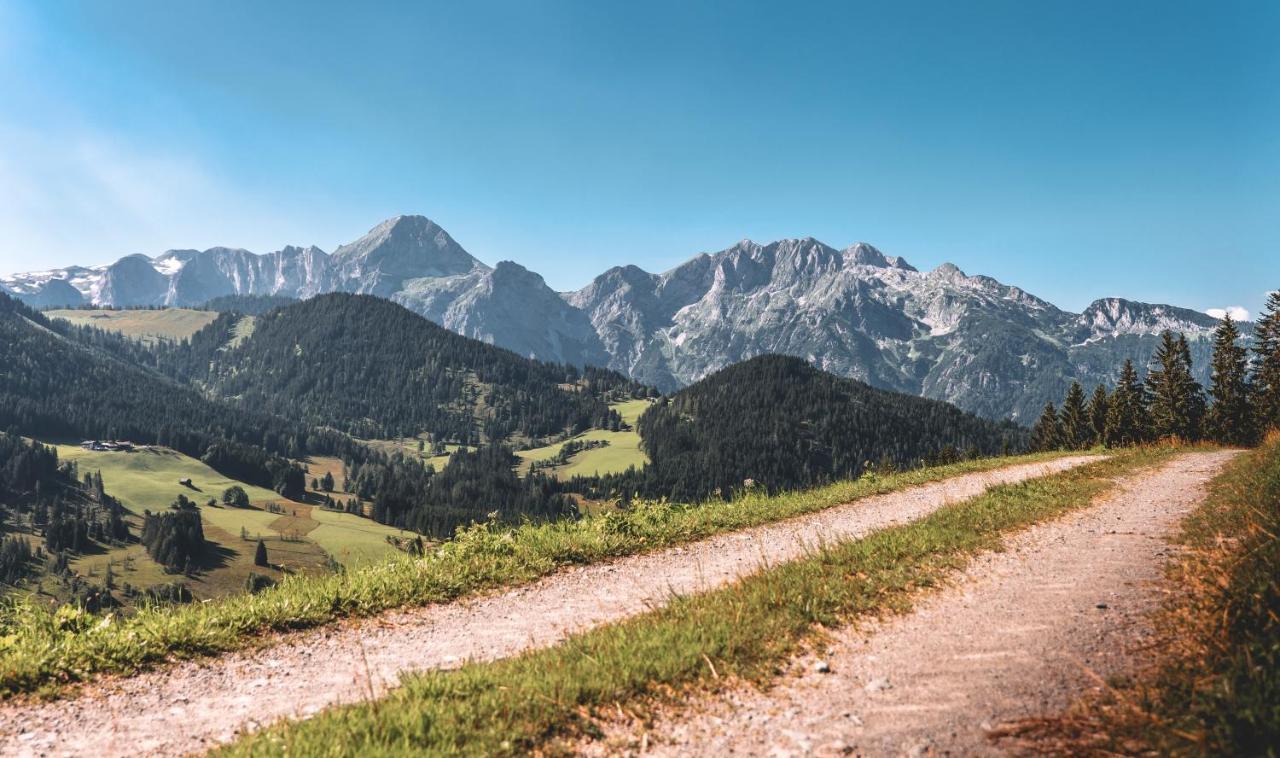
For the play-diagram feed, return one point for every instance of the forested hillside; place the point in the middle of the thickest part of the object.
(60, 381)
(248, 305)
(782, 424)
(376, 370)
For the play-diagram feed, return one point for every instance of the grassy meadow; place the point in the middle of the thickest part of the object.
(44, 649)
(621, 453)
(301, 538)
(173, 324)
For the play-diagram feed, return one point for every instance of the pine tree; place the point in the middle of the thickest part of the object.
(260, 555)
(1266, 372)
(1075, 421)
(1047, 433)
(1231, 418)
(1191, 391)
(1098, 414)
(1177, 400)
(1127, 419)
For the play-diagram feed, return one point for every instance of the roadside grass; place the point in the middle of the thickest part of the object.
(1213, 687)
(536, 702)
(42, 651)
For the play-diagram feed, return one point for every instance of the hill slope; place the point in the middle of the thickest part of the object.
(372, 368)
(54, 383)
(784, 424)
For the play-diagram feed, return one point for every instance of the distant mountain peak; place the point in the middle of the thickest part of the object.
(398, 250)
(863, 254)
(950, 271)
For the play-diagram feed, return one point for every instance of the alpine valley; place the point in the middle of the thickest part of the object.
(977, 343)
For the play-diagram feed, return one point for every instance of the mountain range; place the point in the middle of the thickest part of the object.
(987, 347)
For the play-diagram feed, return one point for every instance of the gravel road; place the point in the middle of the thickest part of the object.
(191, 706)
(1022, 633)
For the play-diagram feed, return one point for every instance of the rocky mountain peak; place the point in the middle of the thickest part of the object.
(1114, 316)
(398, 250)
(863, 254)
(948, 271)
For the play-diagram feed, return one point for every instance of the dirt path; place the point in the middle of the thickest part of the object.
(1022, 634)
(189, 706)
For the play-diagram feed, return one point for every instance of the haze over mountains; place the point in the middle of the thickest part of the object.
(982, 345)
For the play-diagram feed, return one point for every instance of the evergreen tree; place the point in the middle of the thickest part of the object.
(1192, 391)
(1127, 419)
(1047, 433)
(1098, 414)
(260, 554)
(1075, 420)
(1266, 372)
(1231, 418)
(1177, 400)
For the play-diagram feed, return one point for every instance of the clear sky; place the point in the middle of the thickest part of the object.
(1076, 149)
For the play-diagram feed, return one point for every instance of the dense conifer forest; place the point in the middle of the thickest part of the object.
(175, 539)
(780, 423)
(474, 486)
(59, 381)
(248, 305)
(374, 369)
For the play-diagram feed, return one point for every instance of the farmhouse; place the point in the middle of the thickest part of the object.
(107, 446)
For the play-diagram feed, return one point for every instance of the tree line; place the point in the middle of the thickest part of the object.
(1241, 403)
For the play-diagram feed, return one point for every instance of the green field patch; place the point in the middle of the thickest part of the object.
(630, 410)
(621, 453)
(149, 479)
(173, 324)
(353, 540)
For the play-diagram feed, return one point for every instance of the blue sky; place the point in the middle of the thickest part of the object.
(1076, 149)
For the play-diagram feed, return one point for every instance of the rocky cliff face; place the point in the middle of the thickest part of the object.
(970, 340)
(985, 346)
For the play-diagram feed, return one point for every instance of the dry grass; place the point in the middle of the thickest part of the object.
(1213, 685)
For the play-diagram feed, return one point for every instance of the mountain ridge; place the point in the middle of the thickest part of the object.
(986, 346)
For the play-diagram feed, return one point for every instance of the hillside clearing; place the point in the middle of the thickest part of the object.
(621, 451)
(300, 537)
(315, 669)
(173, 324)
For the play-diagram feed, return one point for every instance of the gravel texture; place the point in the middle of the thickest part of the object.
(191, 706)
(1022, 633)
